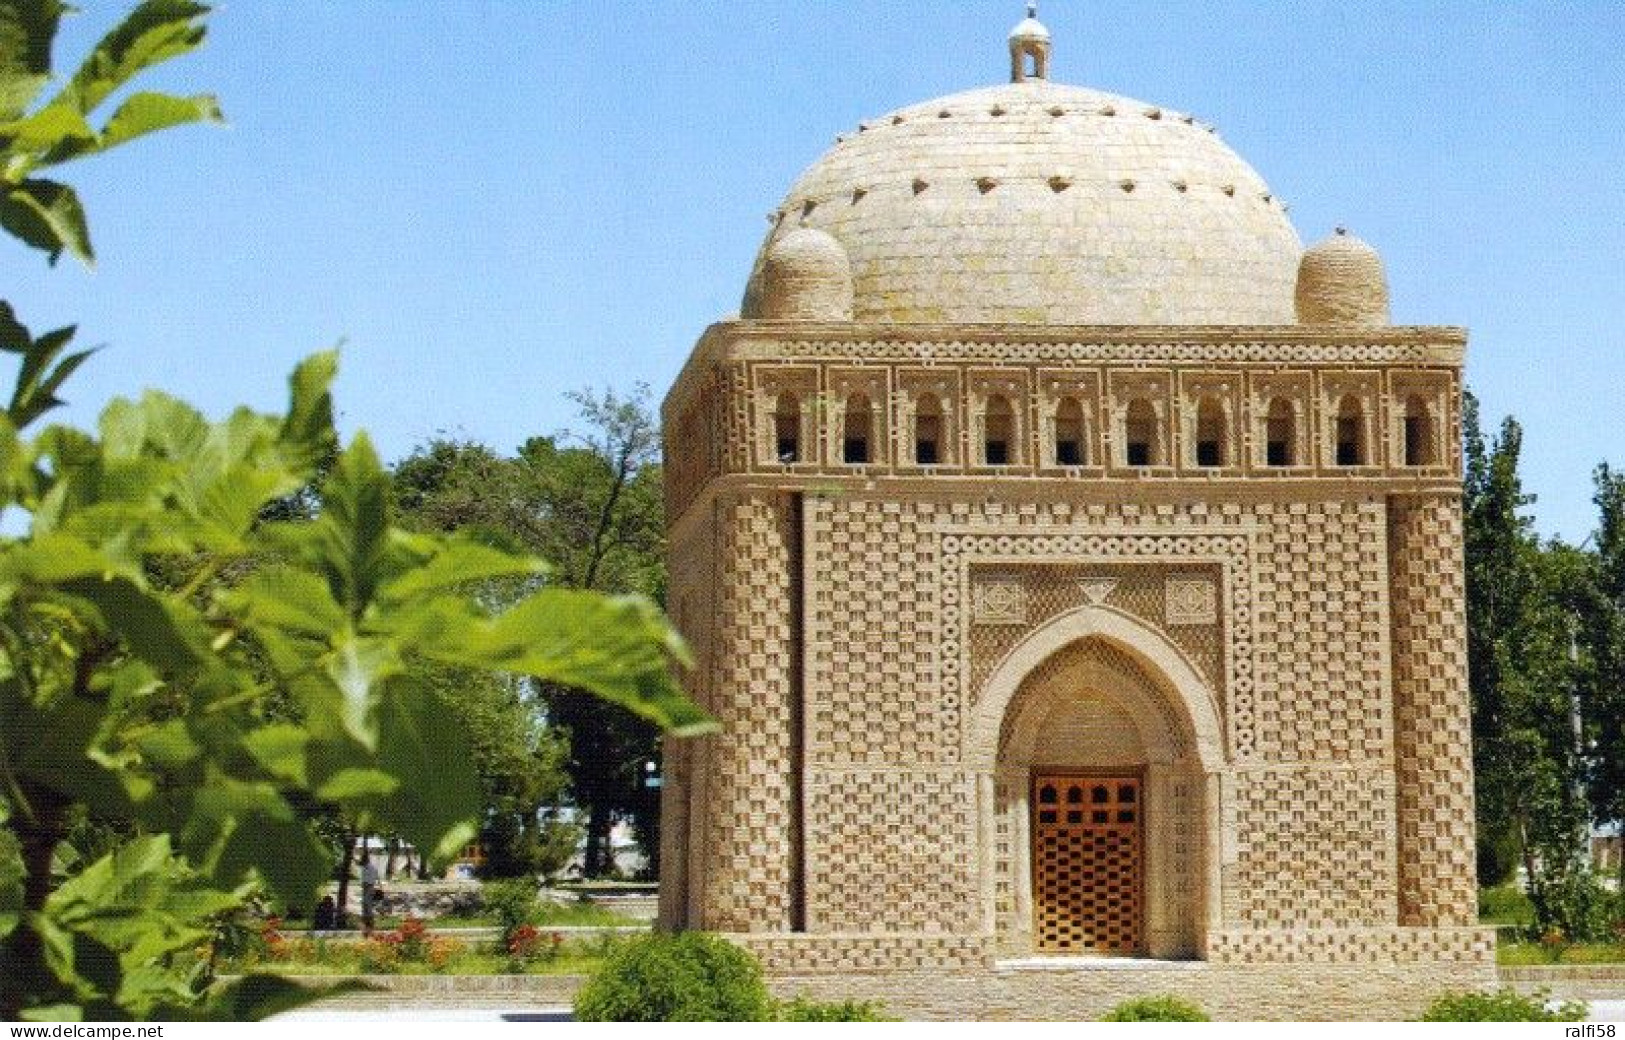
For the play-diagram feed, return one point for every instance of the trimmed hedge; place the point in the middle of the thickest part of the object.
(803, 1010)
(1502, 1006)
(688, 977)
(1156, 1009)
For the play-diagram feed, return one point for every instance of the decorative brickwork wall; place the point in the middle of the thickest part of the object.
(886, 644)
(1320, 626)
(685, 763)
(1433, 746)
(749, 880)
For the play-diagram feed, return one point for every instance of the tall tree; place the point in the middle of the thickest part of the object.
(1521, 600)
(1497, 587)
(591, 504)
(606, 531)
(1605, 692)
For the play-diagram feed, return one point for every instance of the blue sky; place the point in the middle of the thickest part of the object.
(491, 203)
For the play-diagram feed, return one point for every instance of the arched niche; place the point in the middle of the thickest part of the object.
(1098, 692)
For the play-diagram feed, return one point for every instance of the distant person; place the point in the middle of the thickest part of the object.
(326, 916)
(369, 890)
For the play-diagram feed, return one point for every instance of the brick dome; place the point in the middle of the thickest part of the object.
(1034, 202)
(806, 276)
(1341, 281)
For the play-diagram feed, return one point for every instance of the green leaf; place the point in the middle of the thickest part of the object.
(27, 28)
(156, 31)
(359, 667)
(14, 335)
(347, 545)
(168, 746)
(291, 860)
(54, 752)
(97, 964)
(11, 884)
(421, 739)
(52, 127)
(353, 784)
(54, 1013)
(141, 114)
(457, 563)
(619, 648)
(254, 998)
(142, 620)
(280, 750)
(230, 503)
(47, 216)
(289, 599)
(307, 430)
(37, 380)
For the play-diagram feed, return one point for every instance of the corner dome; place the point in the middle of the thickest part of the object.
(1037, 203)
(1341, 281)
(806, 277)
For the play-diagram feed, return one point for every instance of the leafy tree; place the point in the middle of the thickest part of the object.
(1498, 585)
(1521, 600)
(607, 531)
(520, 761)
(592, 506)
(179, 663)
(1605, 639)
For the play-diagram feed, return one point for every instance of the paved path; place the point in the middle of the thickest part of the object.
(410, 1014)
(1601, 1011)
(1607, 1011)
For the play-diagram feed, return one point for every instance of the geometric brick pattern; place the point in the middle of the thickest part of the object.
(1340, 814)
(1353, 946)
(883, 856)
(1125, 535)
(1432, 747)
(870, 632)
(749, 847)
(1313, 848)
(807, 954)
(1321, 634)
(1052, 589)
(1089, 863)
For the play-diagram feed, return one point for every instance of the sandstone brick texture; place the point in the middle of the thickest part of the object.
(1070, 495)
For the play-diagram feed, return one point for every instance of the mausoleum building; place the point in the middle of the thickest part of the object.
(1073, 561)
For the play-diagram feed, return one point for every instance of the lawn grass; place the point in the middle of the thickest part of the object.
(1507, 908)
(548, 915)
(1524, 954)
(583, 914)
(1505, 905)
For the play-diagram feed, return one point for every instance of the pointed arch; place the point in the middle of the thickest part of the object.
(1183, 687)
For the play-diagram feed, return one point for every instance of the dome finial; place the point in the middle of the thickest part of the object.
(1029, 40)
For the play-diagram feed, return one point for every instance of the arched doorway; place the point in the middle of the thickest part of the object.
(1099, 741)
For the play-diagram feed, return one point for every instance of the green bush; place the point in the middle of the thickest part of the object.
(512, 903)
(803, 1010)
(1156, 1009)
(1572, 907)
(689, 977)
(1503, 1006)
(1505, 904)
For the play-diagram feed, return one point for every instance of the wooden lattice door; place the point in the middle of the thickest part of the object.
(1088, 863)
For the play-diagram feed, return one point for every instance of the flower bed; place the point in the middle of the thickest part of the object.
(414, 949)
